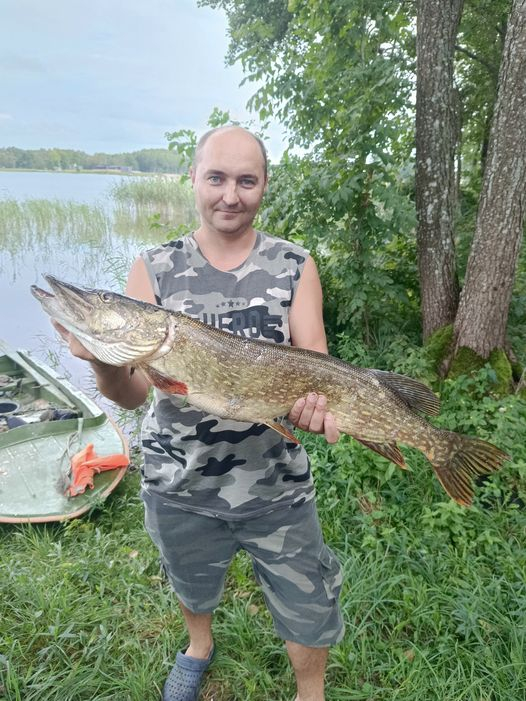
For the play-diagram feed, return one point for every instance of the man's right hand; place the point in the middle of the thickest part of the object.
(310, 414)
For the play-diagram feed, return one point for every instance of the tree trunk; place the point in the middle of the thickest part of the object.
(484, 304)
(437, 26)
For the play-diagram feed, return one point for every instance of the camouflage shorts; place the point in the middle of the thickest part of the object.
(299, 575)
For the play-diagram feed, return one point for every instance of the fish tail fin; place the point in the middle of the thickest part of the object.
(460, 459)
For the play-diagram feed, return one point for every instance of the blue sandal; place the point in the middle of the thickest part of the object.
(185, 678)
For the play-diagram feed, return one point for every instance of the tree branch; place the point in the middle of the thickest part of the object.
(490, 67)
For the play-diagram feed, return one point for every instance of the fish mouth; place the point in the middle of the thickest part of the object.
(68, 304)
(74, 298)
(41, 294)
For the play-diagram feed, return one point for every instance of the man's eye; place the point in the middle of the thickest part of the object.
(248, 182)
(214, 179)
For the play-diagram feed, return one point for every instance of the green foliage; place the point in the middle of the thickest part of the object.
(183, 141)
(434, 595)
(337, 75)
(359, 230)
(480, 43)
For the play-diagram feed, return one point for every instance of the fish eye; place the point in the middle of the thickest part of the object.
(105, 296)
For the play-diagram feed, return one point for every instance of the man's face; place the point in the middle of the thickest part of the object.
(229, 182)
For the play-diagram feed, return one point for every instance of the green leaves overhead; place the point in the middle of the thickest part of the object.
(338, 75)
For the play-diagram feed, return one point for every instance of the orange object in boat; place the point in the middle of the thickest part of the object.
(86, 463)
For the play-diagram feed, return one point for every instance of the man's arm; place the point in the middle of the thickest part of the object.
(119, 384)
(307, 331)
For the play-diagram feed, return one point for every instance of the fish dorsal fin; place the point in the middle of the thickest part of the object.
(386, 450)
(415, 394)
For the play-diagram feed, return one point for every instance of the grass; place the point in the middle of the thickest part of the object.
(434, 596)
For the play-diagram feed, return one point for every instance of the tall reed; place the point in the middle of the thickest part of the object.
(170, 197)
(33, 222)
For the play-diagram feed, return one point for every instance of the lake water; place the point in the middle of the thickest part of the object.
(97, 261)
(77, 187)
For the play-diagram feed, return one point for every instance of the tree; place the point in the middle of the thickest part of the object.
(436, 136)
(481, 321)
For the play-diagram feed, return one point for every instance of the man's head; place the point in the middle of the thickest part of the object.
(217, 130)
(229, 177)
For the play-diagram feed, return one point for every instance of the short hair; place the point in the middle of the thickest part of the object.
(202, 141)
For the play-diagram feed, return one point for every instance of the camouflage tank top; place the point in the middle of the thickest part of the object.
(199, 461)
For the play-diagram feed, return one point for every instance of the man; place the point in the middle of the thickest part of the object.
(211, 486)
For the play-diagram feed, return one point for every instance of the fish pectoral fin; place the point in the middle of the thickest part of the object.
(275, 426)
(163, 382)
(387, 450)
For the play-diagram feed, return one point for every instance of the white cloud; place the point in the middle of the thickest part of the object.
(113, 74)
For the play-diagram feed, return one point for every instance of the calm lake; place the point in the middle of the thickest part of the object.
(72, 226)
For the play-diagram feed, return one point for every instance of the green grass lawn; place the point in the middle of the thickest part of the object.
(434, 600)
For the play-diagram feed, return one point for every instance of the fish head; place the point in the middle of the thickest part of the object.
(118, 330)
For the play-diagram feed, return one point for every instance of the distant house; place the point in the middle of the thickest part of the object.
(122, 169)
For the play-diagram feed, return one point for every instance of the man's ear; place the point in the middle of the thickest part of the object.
(191, 173)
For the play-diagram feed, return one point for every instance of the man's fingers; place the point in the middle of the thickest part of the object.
(295, 412)
(318, 415)
(61, 330)
(310, 414)
(331, 431)
(75, 346)
(305, 418)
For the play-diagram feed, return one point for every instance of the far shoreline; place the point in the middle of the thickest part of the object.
(90, 171)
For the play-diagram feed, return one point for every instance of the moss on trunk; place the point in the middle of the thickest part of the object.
(501, 364)
(467, 361)
(439, 347)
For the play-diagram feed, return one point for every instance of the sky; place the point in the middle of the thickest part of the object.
(114, 75)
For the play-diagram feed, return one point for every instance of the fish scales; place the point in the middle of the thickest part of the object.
(256, 381)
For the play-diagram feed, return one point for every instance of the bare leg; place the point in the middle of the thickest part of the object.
(309, 667)
(200, 631)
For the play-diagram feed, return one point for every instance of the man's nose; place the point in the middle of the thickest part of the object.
(230, 196)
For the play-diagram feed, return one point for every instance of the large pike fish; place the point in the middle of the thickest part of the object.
(237, 378)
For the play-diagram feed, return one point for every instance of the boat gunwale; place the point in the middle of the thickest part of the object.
(93, 417)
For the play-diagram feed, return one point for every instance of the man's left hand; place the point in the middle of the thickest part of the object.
(310, 414)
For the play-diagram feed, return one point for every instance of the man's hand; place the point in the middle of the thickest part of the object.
(310, 414)
(75, 346)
